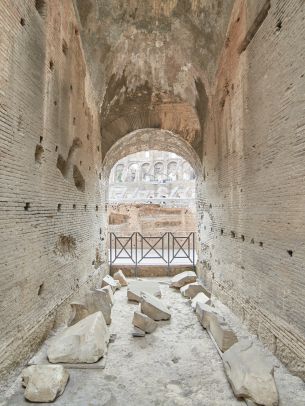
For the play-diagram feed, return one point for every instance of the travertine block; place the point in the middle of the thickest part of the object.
(250, 375)
(44, 383)
(85, 341)
(154, 308)
(119, 276)
(182, 279)
(143, 322)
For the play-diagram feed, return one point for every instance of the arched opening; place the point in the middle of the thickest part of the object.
(152, 185)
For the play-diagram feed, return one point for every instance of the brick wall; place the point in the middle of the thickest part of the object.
(254, 176)
(49, 172)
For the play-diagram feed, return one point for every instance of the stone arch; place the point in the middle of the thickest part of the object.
(160, 140)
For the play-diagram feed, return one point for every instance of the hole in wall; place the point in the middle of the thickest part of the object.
(96, 208)
(290, 253)
(242, 237)
(88, 136)
(76, 31)
(71, 88)
(74, 206)
(278, 25)
(64, 47)
(261, 244)
(40, 139)
(27, 206)
(79, 180)
(55, 103)
(100, 231)
(41, 7)
(98, 148)
(221, 231)
(56, 148)
(51, 64)
(39, 153)
(233, 234)
(40, 289)
(85, 207)
(22, 21)
(100, 176)
(59, 207)
(252, 241)
(74, 120)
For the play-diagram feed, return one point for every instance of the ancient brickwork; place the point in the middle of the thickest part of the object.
(49, 171)
(154, 220)
(254, 175)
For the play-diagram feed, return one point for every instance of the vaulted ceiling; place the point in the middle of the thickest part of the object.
(152, 62)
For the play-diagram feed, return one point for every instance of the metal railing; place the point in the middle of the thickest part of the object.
(167, 249)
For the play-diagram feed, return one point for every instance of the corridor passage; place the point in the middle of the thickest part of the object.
(177, 364)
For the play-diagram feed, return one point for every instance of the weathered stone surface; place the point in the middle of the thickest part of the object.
(222, 333)
(136, 287)
(78, 312)
(119, 276)
(109, 281)
(85, 341)
(143, 322)
(182, 279)
(192, 289)
(92, 301)
(137, 332)
(44, 383)
(204, 313)
(200, 297)
(109, 293)
(154, 308)
(250, 375)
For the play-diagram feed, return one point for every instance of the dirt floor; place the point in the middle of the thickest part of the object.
(176, 365)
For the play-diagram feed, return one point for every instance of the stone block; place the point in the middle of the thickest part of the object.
(250, 375)
(44, 383)
(84, 342)
(192, 289)
(200, 298)
(143, 322)
(136, 287)
(182, 279)
(204, 313)
(109, 281)
(222, 333)
(137, 332)
(119, 276)
(154, 308)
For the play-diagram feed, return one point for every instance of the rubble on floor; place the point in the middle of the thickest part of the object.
(84, 342)
(204, 313)
(154, 308)
(221, 332)
(135, 288)
(92, 301)
(250, 375)
(44, 383)
(192, 289)
(119, 276)
(137, 332)
(182, 279)
(143, 322)
(200, 298)
(109, 281)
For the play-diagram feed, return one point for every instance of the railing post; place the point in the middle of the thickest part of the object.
(136, 255)
(110, 235)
